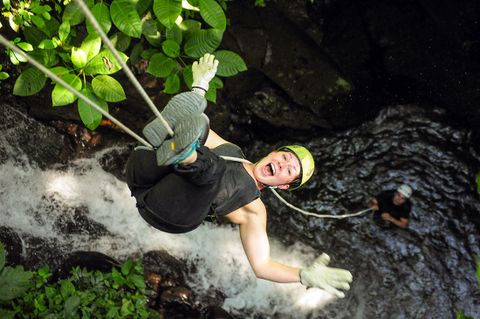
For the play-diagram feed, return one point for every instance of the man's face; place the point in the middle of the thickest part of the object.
(277, 169)
(398, 199)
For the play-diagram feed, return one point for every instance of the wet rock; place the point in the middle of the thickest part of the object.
(90, 260)
(215, 312)
(13, 246)
(170, 269)
(39, 144)
(76, 221)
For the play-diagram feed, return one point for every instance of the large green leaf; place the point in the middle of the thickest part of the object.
(14, 282)
(91, 45)
(73, 14)
(79, 57)
(64, 31)
(161, 65)
(108, 88)
(175, 34)
(151, 29)
(167, 11)
(188, 76)
(102, 14)
(172, 84)
(213, 14)
(125, 17)
(171, 48)
(230, 63)
(33, 35)
(60, 71)
(90, 116)
(203, 41)
(143, 5)
(48, 58)
(61, 96)
(30, 82)
(121, 41)
(211, 94)
(189, 26)
(104, 63)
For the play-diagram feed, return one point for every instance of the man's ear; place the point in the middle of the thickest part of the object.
(284, 186)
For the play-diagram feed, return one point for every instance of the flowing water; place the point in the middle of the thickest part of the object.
(425, 272)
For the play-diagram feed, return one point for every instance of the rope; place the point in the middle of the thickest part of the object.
(57, 79)
(125, 68)
(304, 212)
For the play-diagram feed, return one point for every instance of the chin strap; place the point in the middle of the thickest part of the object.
(304, 212)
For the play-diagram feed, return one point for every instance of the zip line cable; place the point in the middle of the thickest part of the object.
(125, 68)
(139, 88)
(57, 79)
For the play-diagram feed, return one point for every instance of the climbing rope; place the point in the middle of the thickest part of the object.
(304, 212)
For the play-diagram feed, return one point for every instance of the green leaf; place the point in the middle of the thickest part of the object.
(79, 57)
(171, 48)
(161, 65)
(188, 76)
(91, 45)
(47, 57)
(4, 76)
(73, 14)
(203, 41)
(213, 14)
(2, 257)
(137, 280)
(230, 63)
(172, 84)
(6, 4)
(211, 94)
(33, 35)
(143, 6)
(25, 46)
(39, 23)
(151, 31)
(167, 11)
(121, 41)
(102, 14)
(148, 53)
(125, 17)
(71, 306)
(189, 26)
(90, 116)
(61, 96)
(175, 34)
(104, 63)
(108, 88)
(47, 44)
(64, 31)
(478, 270)
(30, 82)
(14, 282)
(135, 54)
(126, 267)
(66, 288)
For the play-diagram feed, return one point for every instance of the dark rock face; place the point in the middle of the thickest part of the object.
(429, 268)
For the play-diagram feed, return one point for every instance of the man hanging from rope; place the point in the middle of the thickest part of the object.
(184, 179)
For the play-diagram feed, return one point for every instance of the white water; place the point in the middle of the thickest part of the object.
(30, 196)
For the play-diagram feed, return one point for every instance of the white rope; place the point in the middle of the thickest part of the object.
(304, 212)
(57, 79)
(125, 68)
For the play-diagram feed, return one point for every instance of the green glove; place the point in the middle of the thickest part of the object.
(203, 72)
(318, 275)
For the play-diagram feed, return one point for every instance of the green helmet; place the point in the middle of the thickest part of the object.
(307, 164)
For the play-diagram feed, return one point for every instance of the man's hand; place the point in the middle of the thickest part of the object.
(203, 72)
(318, 275)
(387, 217)
(373, 204)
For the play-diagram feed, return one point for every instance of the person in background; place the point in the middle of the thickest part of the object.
(392, 207)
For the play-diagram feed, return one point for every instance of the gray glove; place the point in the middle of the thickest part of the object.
(318, 275)
(203, 72)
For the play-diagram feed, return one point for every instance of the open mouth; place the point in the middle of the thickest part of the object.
(270, 169)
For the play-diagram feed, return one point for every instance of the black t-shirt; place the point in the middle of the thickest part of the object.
(386, 205)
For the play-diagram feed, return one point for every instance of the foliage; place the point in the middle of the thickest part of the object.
(85, 294)
(461, 313)
(3, 75)
(168, 34)
(478, 183)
